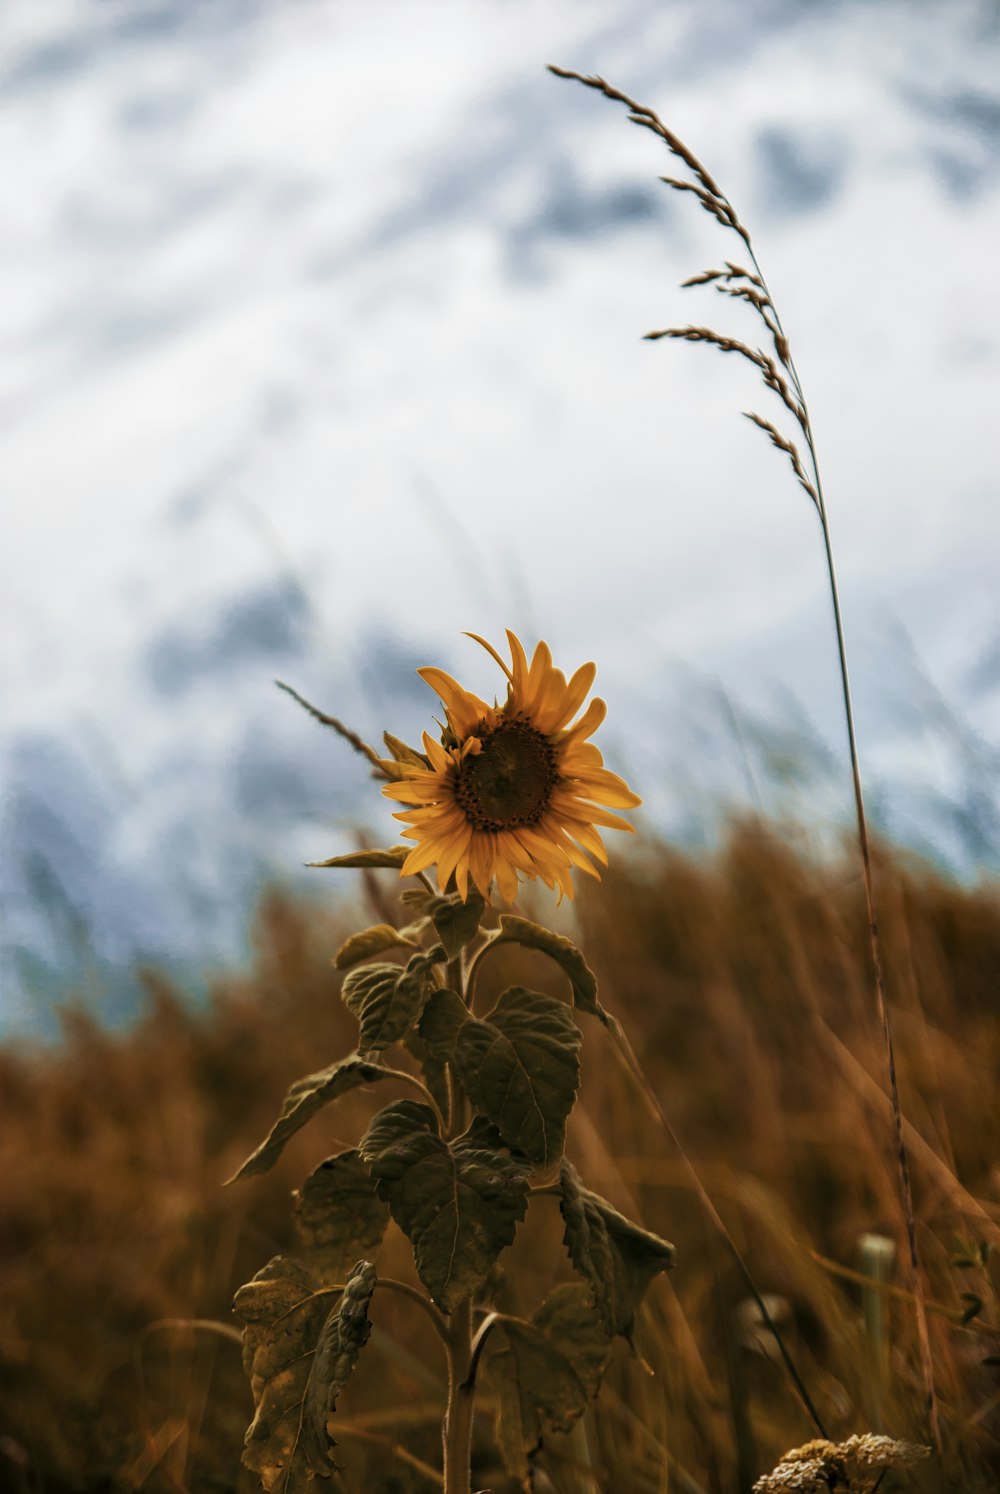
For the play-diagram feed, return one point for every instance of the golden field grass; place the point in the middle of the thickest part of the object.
(744, 983)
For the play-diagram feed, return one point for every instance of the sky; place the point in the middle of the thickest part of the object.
(321, 343)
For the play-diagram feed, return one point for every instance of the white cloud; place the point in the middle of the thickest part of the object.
(286, 284)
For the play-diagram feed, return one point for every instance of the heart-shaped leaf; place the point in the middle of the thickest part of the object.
(615, 1257)
(520, 1068)
(459, 1205)
(339, 1216)
(457, 923)
(549, 1373)
(388, 999)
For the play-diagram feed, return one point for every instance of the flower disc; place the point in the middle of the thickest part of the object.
(507, 784)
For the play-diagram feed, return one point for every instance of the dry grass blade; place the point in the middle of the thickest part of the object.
(719, 210)
(706, 334)
(641, 115)
(789, 390)
(785, 445)
(731, 272)
(348, 735)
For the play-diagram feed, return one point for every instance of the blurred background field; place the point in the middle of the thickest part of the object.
(743, 978)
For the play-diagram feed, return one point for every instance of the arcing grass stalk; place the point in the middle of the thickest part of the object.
(781, 379)
(509, 790)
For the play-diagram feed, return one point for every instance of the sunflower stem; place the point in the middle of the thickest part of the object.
(456, 1428)
(490, 943)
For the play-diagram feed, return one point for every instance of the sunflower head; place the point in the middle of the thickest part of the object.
(512, 789)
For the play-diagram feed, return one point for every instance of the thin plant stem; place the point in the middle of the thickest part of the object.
(405, 1290)
(874, 938)
(492, 942)
(418, 1084)
(457, 1425)
(456, 1428)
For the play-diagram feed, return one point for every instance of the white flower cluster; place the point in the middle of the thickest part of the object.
(821, 1466)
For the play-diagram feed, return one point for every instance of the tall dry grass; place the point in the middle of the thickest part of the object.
(745, 981)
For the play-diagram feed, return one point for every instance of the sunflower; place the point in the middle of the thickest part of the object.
(515, 788)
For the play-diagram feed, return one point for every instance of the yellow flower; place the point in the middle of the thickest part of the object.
(512, 788)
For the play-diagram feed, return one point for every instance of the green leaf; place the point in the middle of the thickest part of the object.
(564, 952)
(521, 1068)
(339, 1216)
(459, 1205)
(404, 754)
(365, 859)
(301, 1103)
(377, 939)
(615, 1257)
(457, 923)
(444, 1016)
(299, 1353)
(550, 1372)
(388, 999)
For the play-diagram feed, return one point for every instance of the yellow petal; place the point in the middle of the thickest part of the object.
(573, 852)
(429, 814)
(547, 712)
(420, 858)
(580, 757)
(481, 858)
(537, 675)
(465, 711)
(607, 788)
(438, 756)
(506, 880)
(412, 791)
(562, 700)
(587, 724)
(519, 660)
(491, 650)
(453, 853)
(590, 839)
(542, 850)
(565, 882)
(590, 814)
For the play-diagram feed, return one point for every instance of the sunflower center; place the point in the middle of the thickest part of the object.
(509, 783)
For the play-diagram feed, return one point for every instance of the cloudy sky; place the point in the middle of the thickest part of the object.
(320, 343)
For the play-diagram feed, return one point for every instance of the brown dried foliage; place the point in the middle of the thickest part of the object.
(744, 981)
